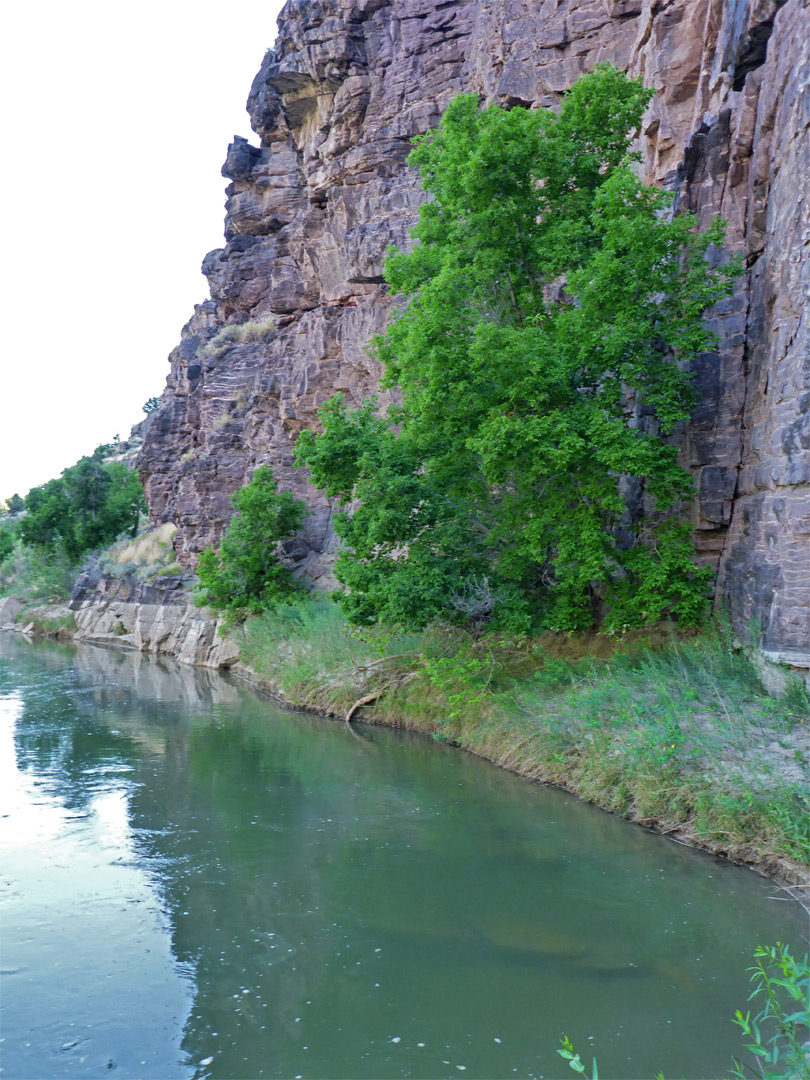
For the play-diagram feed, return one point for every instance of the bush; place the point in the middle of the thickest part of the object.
(245, 576)
(9, 535)
(145, 556)
(37, 575)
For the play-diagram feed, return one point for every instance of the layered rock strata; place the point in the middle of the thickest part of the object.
(312, 208)
(156, 618)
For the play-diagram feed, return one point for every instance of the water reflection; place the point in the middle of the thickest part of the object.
(87, 964)
(327, 906)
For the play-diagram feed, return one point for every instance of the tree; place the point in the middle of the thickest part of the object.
(86, 507)
(9, 534)
(245, 576)
(554, 305)
(16, 504)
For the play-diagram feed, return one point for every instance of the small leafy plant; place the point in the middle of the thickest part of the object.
(779, 1030)
(574, 1060)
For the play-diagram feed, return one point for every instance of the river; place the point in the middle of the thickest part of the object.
(197, 883)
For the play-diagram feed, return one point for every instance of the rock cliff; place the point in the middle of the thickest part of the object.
(297, 291)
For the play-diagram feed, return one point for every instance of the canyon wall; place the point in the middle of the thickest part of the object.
(298, 291)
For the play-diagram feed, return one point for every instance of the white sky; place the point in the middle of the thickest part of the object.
(115, 124)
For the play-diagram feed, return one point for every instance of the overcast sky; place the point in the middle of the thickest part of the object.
(116, 122)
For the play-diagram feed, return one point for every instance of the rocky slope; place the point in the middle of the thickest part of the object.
(311, 209)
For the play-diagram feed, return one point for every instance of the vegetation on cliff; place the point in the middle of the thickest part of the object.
(554, 302)
(524, 488)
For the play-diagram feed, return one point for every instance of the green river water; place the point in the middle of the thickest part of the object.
(196, 883)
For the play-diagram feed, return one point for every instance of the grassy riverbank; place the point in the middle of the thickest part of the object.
(670, 730)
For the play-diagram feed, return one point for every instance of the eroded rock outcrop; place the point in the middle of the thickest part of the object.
(156, 618)
(312, 208)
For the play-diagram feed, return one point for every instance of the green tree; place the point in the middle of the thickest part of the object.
(554, 303)
(245, 575)
(9, 534)
(16, 504)
(84, 508)
(51, 518)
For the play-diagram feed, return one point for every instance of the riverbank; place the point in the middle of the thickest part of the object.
(672, 731)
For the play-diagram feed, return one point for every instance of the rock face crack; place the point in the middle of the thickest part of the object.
(313, 207)
(753, 46)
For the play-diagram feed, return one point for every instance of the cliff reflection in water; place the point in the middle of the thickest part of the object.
(333, 901)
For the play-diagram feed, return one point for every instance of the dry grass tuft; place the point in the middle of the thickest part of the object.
(148, 549)
(227, 337)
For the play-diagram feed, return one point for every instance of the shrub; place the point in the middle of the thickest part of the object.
(246, 575)
(37, 575)
(236, 334)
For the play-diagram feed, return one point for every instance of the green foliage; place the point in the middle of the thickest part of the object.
(567, 1053)
(554, 304)
(15, 504)
(9, 534)
(151, 404)
(313, 655)
(86, 507)
(38, 574)
(245, 575)
(779, 1029)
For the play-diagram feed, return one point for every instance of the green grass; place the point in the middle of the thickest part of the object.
(671, 730)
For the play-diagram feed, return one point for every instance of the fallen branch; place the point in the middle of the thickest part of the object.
(396, 682)
(362, 701)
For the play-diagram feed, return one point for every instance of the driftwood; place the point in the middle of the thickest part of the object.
(397, 681)
(361, 701)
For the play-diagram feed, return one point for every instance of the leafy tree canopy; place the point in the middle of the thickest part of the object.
(554, 303)
(8, 537)
(86, 507)
(245, 576)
